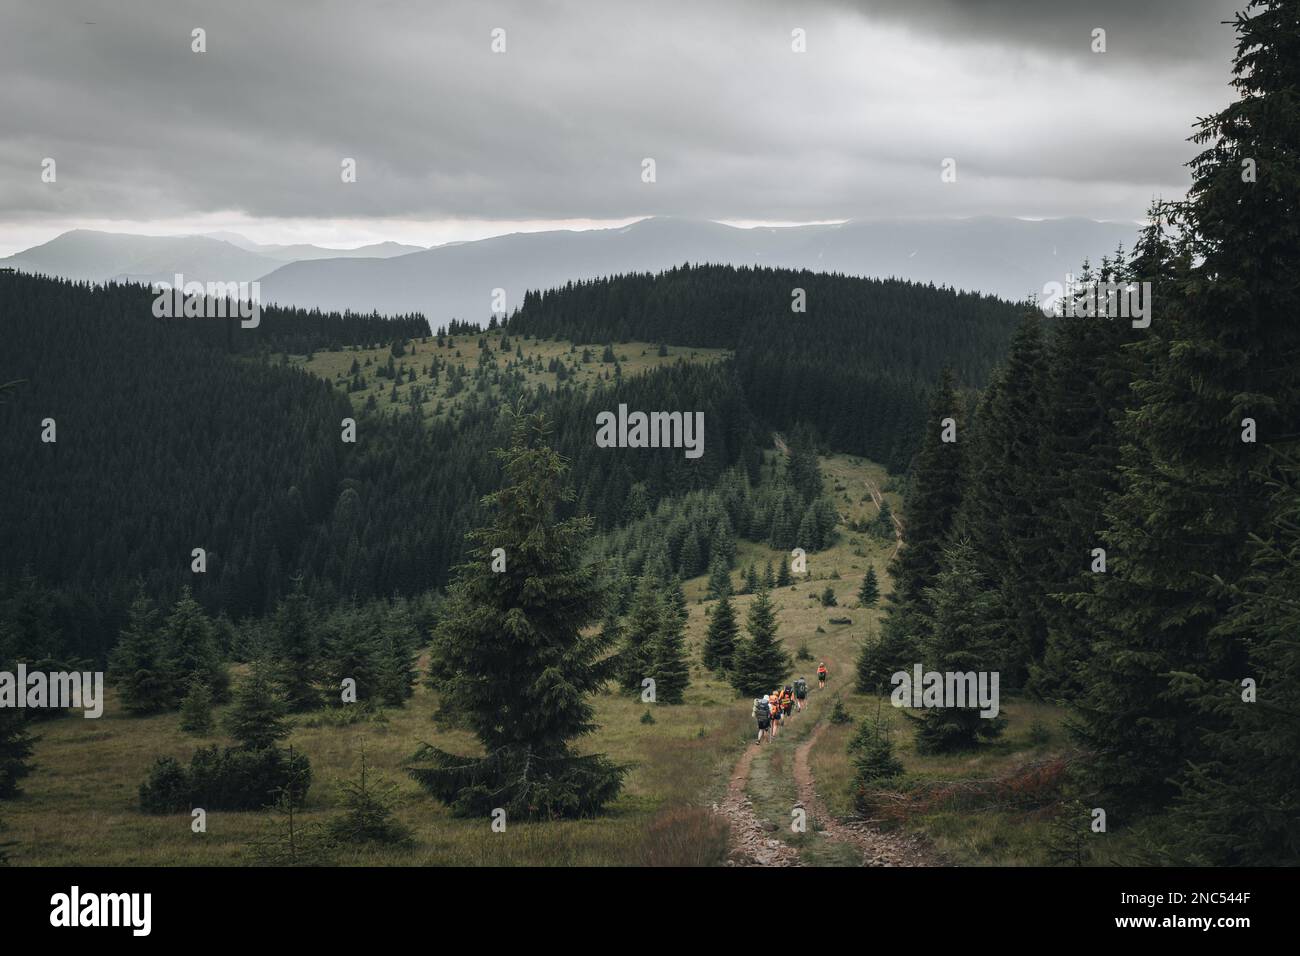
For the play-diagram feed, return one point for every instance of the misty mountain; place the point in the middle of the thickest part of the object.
(87, 255)
(90, 255)
(300, 251)
(1011, 258)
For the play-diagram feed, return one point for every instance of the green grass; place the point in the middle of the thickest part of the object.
(635, 358)
(80, 804)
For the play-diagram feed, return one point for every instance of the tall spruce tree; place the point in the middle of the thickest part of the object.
(719, 580)
(645, 618)
(139, 666)
(869, 592)
(960, 641)
(1002, 516)
(297, 664)
(720, 641)
(511, 652)
(669, 667)
(761, 661)
(936, 491)
(783, 579)
(191, 649)
(1089, 371)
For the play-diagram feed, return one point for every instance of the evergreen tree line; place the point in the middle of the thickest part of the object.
(165, 444)
(697, 533)
(856, 364)
(1115, 527)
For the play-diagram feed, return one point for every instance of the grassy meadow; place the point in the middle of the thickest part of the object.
(79, 806)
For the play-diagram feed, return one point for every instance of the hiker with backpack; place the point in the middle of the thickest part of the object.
(763, 715)
(787, 701)
(800, 692)
(774, 704)
(821, 676)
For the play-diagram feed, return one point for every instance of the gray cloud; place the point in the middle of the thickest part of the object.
(556, 127)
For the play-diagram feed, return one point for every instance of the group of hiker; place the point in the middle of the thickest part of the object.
(772, 710)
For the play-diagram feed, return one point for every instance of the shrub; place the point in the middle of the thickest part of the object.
(235, 778)
(166, 789)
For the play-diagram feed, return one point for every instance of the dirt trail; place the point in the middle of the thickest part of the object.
(879, 499)
(877, 848)
(753, 843)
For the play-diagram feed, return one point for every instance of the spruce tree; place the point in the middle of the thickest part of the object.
(668, 665)
(1240, 804)
(761, 661)
(191, 648)
(719, 581)
(769, 578)
(882, 526)
(935, 495)
(368, 811)
(645, 617)
(350, 651)
(883, 657)
(396, 654)
(139, 667)
(720, 642)
(1007, 452)
(783, 579)
(196, 710)
(257, 717)
(297, 663)
(869, 593)
(959, 641)
(511, 652)
(874, 763)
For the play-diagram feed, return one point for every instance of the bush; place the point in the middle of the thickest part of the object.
(874, 762)
(803, 654)
(839, 715)
(231, 779)
(166, 789)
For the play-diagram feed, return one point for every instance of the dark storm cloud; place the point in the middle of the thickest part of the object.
(1142, 31)
(740, 127)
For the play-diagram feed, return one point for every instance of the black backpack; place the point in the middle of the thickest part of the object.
(763, 711)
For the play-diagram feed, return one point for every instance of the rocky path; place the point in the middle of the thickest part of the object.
(877, 848)
(753, 841)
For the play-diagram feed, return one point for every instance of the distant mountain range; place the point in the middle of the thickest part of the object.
(88, 255)
(1010, 258)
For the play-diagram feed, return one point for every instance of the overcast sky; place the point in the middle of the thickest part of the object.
(453, 141)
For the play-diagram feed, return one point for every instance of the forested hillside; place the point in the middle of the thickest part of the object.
(1114, 527)
(164, 442)
(857, 363)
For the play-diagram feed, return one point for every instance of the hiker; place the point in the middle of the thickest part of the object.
(800, 692)
(821, 676)
(774, 704)
(763, 715)
(787, 701)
